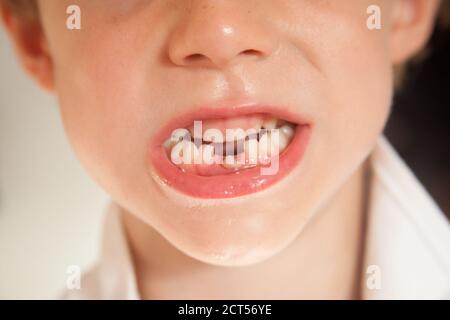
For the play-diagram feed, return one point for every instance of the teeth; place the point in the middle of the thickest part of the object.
(230, 162)
(281, 122)
(252, 134)
(274, 136)
(270, 124)
(177, 136)
(283, 140)
(213, 135)
(240, 147)
(275, 147)
(184, 152)
(257, 126)
(207, 152)
(251, 151)
(229, 148)
(168, 144)
(234, 134)
(287, 130)
(264, 148)
(176, 155)
(286, 134)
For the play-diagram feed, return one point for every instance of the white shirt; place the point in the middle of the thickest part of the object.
(407, 244)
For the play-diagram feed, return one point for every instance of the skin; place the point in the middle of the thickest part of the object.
(130, 70)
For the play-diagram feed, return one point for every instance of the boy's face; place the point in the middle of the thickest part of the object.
(136, 67)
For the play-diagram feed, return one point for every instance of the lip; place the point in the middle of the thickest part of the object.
(233, 185)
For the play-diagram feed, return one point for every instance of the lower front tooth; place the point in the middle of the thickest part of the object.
(184, 152)
(176, 154)
(207, 153)
(251, 151)
(231, 162)
(269, 146)
(264, 146)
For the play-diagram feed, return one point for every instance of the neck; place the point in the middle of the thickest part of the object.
(324, 261)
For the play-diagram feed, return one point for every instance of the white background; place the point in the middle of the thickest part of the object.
(50, 210)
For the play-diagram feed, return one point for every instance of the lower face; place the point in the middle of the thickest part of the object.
(324, 81)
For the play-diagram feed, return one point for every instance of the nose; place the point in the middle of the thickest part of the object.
(217, 33)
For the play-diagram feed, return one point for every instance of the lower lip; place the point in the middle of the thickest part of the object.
(232, 185)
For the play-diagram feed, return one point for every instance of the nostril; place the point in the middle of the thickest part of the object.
(198, 59)
(195, 57)
(252, 52)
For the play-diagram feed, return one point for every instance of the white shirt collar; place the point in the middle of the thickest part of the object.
(408, 236)
(116, 266)
(408, 241)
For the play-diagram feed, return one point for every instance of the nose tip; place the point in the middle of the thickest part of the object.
(218, 40)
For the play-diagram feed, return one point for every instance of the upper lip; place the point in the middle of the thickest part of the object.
(222, 111)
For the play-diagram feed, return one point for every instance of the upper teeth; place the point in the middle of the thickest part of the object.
(270, 124)
(247, 151)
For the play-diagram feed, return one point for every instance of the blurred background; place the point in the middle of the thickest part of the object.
(419, 126)
(50, 210)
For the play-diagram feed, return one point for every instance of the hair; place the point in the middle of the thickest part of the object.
(25, 9)
(444, 14)
(28, 9)
(442, 24)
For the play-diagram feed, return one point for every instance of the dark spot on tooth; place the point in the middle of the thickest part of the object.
(197, 142)
(239, 147)
(261, 133)
(251, 136)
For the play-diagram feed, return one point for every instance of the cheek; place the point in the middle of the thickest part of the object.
(358, 73)
(104, 120)
(107, 103)
(353, 68)
(355, 80)
(361, 91)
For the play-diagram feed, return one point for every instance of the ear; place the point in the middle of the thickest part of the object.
(412, 23)
(30, 45)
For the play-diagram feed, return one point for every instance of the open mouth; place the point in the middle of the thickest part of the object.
(230, 152)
